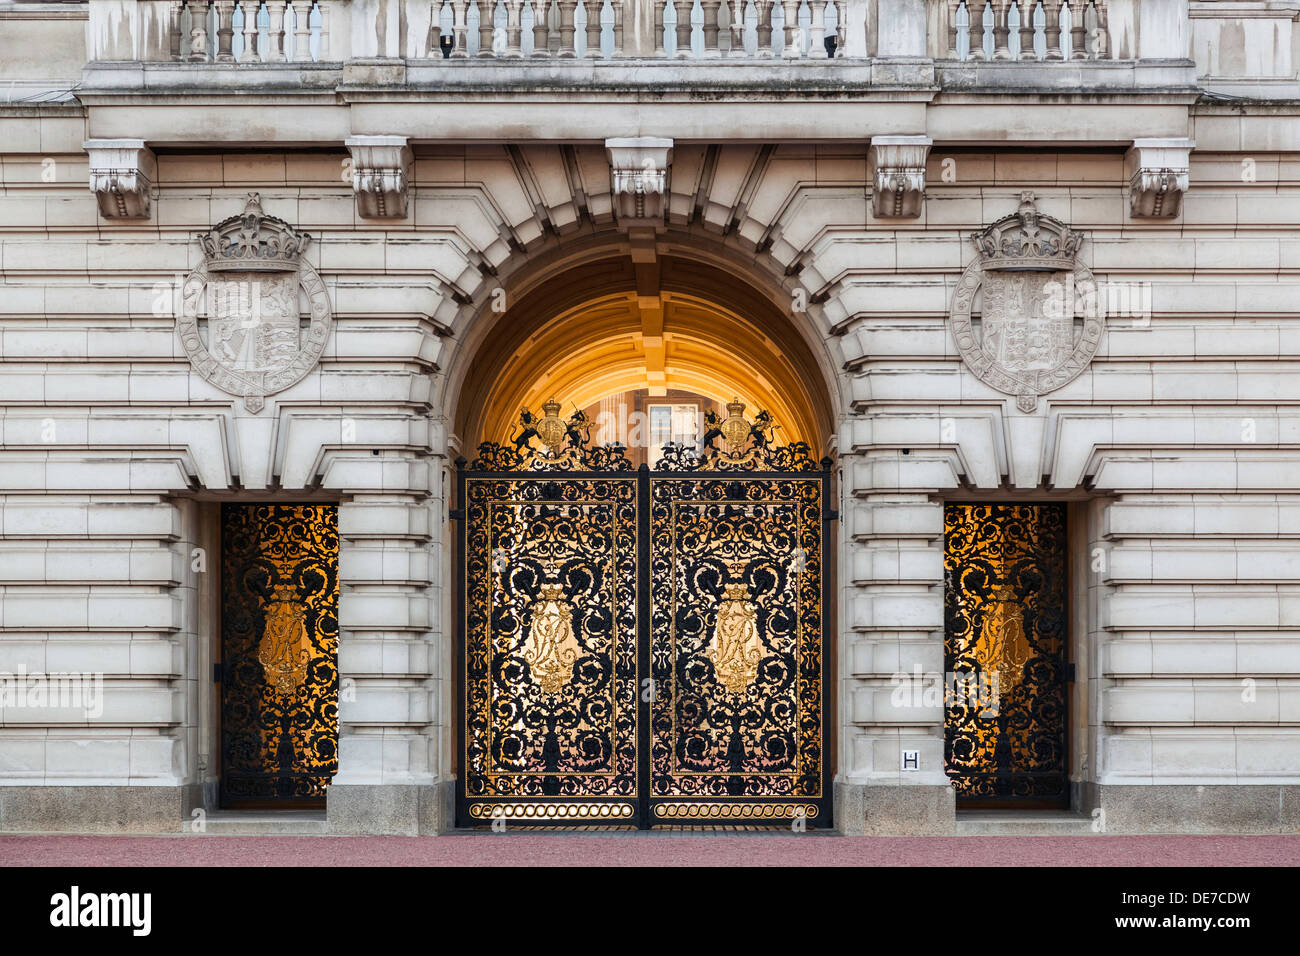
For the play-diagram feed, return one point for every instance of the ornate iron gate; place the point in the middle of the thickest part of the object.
(1004, 649)
(279, 642)
(643, 648)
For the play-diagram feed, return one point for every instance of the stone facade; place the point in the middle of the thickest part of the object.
(849, 185)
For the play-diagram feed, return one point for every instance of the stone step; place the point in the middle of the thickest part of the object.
(1023, 823)
(266, 823)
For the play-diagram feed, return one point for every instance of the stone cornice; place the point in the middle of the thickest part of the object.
(524, 79)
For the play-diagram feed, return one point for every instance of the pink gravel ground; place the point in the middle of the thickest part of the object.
(516, 849)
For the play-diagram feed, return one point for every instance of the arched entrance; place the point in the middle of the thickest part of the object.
(643, 559)
(609, 326)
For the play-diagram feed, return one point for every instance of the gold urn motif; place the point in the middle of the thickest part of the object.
(736, 648)
(551, 646)
(1002, 647)
(285, 651)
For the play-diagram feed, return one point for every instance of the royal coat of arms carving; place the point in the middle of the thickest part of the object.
(1039, 319)
(255, 316)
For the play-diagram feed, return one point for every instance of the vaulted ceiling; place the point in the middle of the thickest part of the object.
(613, 325)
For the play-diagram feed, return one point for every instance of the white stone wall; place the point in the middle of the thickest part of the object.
(1180, 430)
(111, 445)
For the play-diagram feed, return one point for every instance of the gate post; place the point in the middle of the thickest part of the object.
(647, 693)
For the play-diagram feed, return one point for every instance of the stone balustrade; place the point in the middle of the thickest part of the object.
(1028, 30)
(305, 31)
(335, 31)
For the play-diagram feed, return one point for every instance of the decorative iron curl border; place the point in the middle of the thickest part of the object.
(493, 456)
(553, 811)
(796, 457)
(731, 811)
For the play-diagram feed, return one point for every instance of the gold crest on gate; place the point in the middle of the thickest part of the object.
(735, 427)
(551, 429)
(551, 647)
(736, 647)
(285, 650)
(563, 443)
(1002, 650)
(745, 442)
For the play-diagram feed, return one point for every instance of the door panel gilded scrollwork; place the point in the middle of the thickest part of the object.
(279, 627)
(736, 643)
(550, 655)
(1005, 644)
(643, 648)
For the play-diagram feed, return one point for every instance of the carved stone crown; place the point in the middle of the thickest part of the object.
(1028, 241)
(253, 242)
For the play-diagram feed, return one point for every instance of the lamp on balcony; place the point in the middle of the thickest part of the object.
(446, 43)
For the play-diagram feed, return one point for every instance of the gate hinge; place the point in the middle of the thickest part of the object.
(831, 515)
(1069, 673)
(456, 514)
(216, 672)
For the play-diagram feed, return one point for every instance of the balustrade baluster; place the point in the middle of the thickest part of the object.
(1002, 29)
(683, 8)
(617, 6)
(954, 8)
(841, 15)
(487, 17)
(766, 10)
(275, 32)
(250, 51)
(302, 30)
(660, 51)
(514, 28)
(818, 29)
(736, 20)
(225, 30)
(1027, 8)
(593, 8)
(198, 30)
(711, 10)
(174, 11)
(1052, 32)
(975, 10)
(459, 29)
(541, 31)
(1078, 31)
(567, 28)
(324, 51)
(792, 48)
(1100, 48)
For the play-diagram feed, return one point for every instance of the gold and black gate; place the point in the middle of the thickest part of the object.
(643, 648)
(1005, 653)
(279, 644)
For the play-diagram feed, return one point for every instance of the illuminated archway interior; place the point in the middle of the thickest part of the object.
(641, 350)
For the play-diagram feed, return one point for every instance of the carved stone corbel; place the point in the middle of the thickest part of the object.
(898, 175)
(381, 167)
(122, 172)
(638, 167)
(1159, 174)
